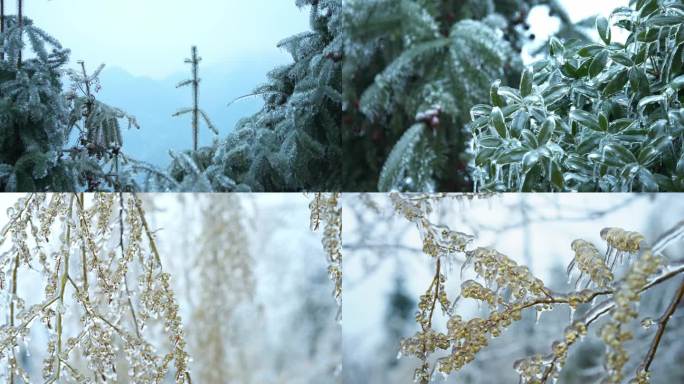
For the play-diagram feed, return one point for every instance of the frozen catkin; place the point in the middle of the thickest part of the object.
(101, 293)
(589, 261)
(622, 240)
(627, 297)
(438, 240)
(505, 290)
(326, 209)
(226, 280)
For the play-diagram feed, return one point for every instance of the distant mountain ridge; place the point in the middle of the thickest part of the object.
(153, 102)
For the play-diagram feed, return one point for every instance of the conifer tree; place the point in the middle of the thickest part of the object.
(2, 26)
(195, 110)
(413, 69)
(32, 111)
(37, 118)
(294, 142)
(98, 155)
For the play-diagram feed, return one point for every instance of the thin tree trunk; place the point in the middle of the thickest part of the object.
(20, 11)
(195, 97)
(2, 28)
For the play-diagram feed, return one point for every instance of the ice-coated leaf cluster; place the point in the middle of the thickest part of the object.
(592, 116)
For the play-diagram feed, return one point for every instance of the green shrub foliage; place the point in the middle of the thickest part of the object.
(412, 71)
(599, 116)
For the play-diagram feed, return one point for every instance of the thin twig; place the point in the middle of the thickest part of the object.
(662, 324)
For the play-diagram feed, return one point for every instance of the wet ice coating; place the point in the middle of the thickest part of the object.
(622, 240)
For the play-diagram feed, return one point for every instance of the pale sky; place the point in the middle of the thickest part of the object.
(150, 38)
(153, 37)
(544, 26)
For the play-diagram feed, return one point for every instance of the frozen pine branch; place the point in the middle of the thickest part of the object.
(100, 138)
(294, 142)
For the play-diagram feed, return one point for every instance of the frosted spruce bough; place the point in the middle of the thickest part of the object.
(591, 116)
(53, 139)
(507, 289)
(293, 143)
(412, 72)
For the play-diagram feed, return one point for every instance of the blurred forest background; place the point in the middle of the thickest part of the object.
(386, 271)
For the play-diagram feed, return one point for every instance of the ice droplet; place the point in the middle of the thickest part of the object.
(647, 323)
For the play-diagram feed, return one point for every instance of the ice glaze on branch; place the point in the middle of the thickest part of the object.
(508, 289)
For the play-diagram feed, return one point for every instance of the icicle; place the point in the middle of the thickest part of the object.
(26, 346)
(497, 173)
(570, 267)
(609, 251)
(465, 265)
(578, 280)
(572, 314)
(568, 270)
(617, 254)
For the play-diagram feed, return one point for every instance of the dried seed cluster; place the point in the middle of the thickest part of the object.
(467, 338)
(226, 281)
(539, 369)
(471, 289)
(438, 240)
